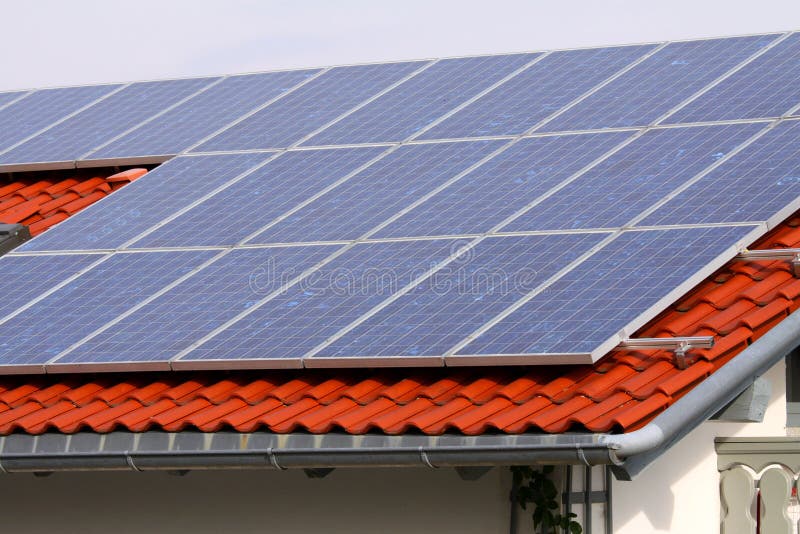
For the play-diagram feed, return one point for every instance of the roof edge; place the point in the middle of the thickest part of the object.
(639, 448)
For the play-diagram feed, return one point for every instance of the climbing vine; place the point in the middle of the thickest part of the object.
(535, 487)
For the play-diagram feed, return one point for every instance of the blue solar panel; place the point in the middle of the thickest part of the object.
(537, 92)
(760, 181)
(170, 323)
(9, 97)
(309, 108)
(103, 121)
(144, 203)
(461, 297)
(53, 324)
(26, 277)
(251, 203)
(658, 84)
(377, 193)
(603, 294)
(633, 179)
(288, 326)
(417, 102)
(767, 87)
(202, 115)
(503, 185)
(43, 108)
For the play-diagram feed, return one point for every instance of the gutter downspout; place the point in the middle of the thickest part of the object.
(638, 448)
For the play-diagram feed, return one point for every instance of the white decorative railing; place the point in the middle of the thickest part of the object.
(759, 485)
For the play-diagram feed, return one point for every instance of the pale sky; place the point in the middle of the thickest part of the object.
(58, 42)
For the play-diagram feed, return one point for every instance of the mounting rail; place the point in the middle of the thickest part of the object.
(678, 345)
(791, 255)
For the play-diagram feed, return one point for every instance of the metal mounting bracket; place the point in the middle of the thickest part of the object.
(791, 255)
(678, 345)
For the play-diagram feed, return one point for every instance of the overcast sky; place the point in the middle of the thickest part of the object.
(58, 42)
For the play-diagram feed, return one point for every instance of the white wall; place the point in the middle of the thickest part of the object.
(679, 492)
(347, 501)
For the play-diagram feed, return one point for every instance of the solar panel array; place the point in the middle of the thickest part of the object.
(529, 208)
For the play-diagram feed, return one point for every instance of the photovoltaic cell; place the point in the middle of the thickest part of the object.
(503, 185)
(9, 97)
(27, 277)
(461, 297)
(633, 179)
(170, 323)
(757, 183)
(103, 121)
(202, 115)
(293, 323)
(659, 83)
(310, 107)
(263, 195)
(130, 211)
(417, 102)
(377, 193)
(603, 294)
(43, 108)
(769, 86)
(50, 326)
(537, 92)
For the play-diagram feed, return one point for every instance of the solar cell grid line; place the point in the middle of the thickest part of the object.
(633, 179)
(18, 286)
(537, 92)
(316, 104)
(68, 140)
(202, 115)
(175, 319)
(459, 298)
(515, 177)
(259, 198)
(658, 84)
(768, 86)
(282, 330)
(431, 94)
(616, 290)
(761, 182)
(109, 223)
(34, 336)
(42, 108)
(377, 192)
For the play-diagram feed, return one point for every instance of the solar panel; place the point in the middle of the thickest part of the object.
(377, 193)
(537, 92)
(145, 203)
(311, 107)
(64, 317)
(43, 108)
(73, 138)
(418, 102)
(583, 315)
(769, 86)
(516, 177)
(10, 97)
(173, 321)
(262, 196)
(19, 285)
(762, 182)
(633, 179)
(202, 115)
(279, 252)
(291, 324)
(457, 300)
(658, 84)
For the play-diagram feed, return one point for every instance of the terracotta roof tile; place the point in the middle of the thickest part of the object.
(40, 204)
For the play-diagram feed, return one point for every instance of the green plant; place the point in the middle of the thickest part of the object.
(536, 487)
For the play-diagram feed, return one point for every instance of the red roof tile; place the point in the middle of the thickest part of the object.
(40, 204)
(621, 392)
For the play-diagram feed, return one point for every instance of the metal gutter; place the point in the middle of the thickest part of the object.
(627, 454)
